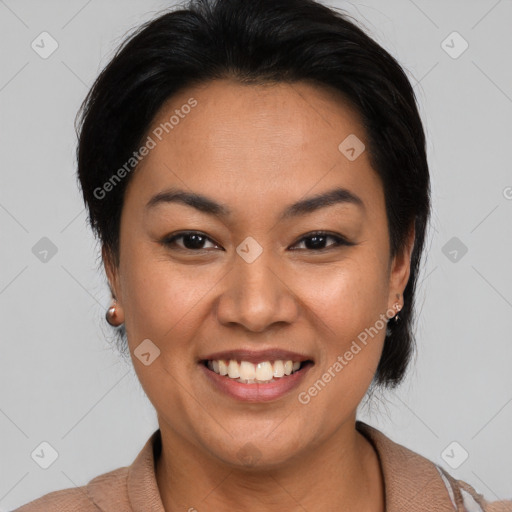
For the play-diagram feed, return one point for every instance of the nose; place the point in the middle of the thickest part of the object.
(257, 295)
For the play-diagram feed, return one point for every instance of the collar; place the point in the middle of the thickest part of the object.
(412, 483)
(143, 491)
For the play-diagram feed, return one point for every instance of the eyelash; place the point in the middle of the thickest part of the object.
(339, 240)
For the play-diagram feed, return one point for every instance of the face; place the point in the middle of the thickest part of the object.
(245, 276)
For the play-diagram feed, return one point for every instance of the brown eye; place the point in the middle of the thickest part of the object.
(317, 241)
(191, 240)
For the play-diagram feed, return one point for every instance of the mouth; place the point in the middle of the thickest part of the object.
(255, 376)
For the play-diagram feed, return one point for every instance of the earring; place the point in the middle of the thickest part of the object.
(111, 315)
(397, 307)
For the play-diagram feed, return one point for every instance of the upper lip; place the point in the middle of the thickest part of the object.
(257, 356)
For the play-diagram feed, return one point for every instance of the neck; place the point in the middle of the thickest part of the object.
(342, 473)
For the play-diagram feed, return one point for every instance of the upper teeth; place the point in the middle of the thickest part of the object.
(248, 372)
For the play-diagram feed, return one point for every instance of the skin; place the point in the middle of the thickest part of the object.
(257, 149)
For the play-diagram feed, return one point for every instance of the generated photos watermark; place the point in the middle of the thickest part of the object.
(305, 397)
(137, 156)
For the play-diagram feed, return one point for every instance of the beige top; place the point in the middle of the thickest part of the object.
(412, 484)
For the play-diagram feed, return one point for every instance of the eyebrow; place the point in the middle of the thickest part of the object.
(211, 207)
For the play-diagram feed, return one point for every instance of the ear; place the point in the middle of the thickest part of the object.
(400, 268)
(111, 272)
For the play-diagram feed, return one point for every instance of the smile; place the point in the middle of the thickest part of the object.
(250, 373)
(255, 376)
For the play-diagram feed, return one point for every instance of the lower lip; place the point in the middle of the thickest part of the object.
(256, 392)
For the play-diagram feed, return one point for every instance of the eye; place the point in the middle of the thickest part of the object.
(195, 241)
(192, 241)
(317, 241)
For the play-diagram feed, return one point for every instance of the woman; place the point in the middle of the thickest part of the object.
(256, 174)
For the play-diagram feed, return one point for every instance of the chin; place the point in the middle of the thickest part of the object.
(257, 452)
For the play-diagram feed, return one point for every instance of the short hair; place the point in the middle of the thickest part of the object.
(259, 42)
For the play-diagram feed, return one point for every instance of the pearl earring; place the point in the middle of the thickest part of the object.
(111, 314)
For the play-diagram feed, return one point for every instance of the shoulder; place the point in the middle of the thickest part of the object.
(415, 483)
(106, 490)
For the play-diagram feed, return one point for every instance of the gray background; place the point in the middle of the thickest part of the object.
(60, 380)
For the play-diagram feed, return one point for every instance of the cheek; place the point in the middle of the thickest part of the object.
(349, 306)
(348, 297)
(158, 296)
(349, 303)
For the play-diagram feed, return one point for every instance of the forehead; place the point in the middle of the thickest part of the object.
(280, 116)
(241, 140)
